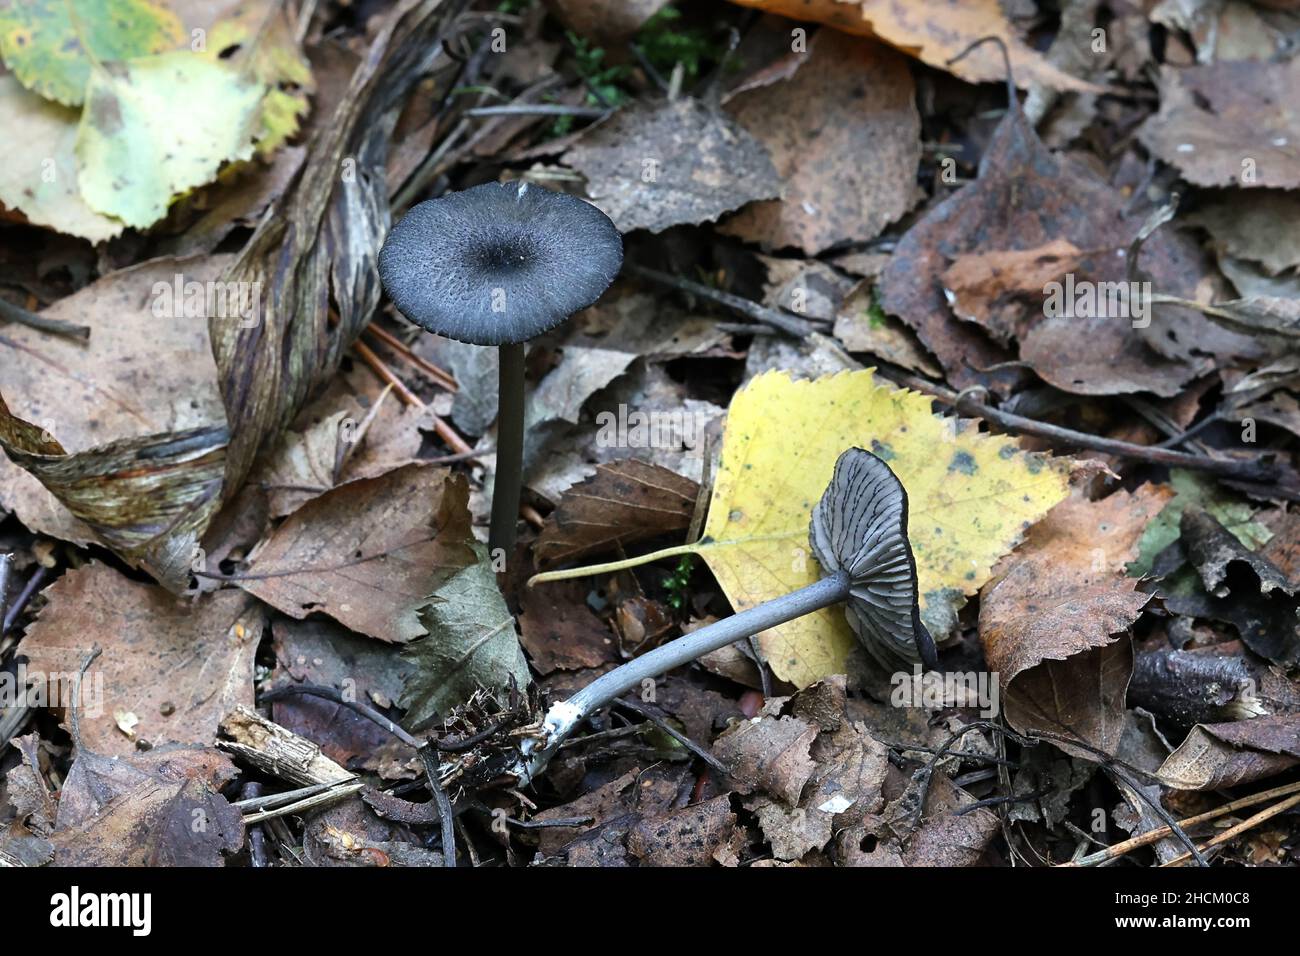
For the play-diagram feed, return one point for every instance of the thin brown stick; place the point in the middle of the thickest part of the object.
(386, 374)
(1248, 824)
(1159, 833)
(444, 431)
(440, 376)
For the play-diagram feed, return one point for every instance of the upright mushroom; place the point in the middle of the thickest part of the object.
(499, 264)
(858, 533)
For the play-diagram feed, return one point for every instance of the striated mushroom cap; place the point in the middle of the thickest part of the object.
(860, 527)
(499, 263)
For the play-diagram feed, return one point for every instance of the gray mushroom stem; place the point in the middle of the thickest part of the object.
(509, 480)
(567, 714)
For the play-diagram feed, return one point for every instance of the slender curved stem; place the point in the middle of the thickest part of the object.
(509, 479)
(564, 716)
(609, 567)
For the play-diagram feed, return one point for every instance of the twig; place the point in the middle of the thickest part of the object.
(329, 693)
(1252, 469)
(24, 597)
(331, 795)
(787, 322)
(444, 431)
(14, 313)
(406, 353)
(257, 855)
(1234, 832)
(261, 802)
(428, 753)
(544, 824)
(429, 756)
(998, 801)
(6, 566)
(386, 374)
(540, 109)
(1159, 833)
(1128, 775)
(682, 739)
(74, 706)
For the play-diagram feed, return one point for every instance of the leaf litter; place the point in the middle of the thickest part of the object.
(841, 233)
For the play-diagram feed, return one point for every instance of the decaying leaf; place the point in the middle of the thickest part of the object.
(145, 370)
(176, 668)
(471, 644)
(625, 502)
(368, 553)
(41, 180)
(48, 44)
(1224, 755)
(159, 808)
(844, 135)
(1229, 124)
(1025, 198)
(935, 31)
(657, 166)
(140, 117)
(1049, 620)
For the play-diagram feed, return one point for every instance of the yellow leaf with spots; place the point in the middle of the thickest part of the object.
(971, 498)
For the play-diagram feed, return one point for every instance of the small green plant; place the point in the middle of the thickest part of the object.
(678, 584)
(664, 44)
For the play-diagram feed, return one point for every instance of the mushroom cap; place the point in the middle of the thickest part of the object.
(499, 263)
(860, 527)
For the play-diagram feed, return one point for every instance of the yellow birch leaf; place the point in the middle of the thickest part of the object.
(971, 498)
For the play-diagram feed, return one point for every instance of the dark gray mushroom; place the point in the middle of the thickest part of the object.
(499, 264)
(860, 527)
(858, 533)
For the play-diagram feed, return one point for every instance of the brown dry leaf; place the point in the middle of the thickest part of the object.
(606, 21)
(170, 668)
(354, 430)
(845, 137)
(861, 327)
(368, 553)
(657, 165)
(159, 808)
(140, 373)
(1262, 225)
(993, 289)
(322, 652)
(560, 632)
(1229, 124)
(1024, 198)
(935, 31)
(698, 835)
(624, 502)
(1048, 621)
(1224, 755)
(770, 754)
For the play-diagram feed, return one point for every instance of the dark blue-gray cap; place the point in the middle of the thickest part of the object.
(499, 263)
(860, 527)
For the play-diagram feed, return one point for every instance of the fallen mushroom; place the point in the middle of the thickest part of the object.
(858, 534)
(499, 264)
